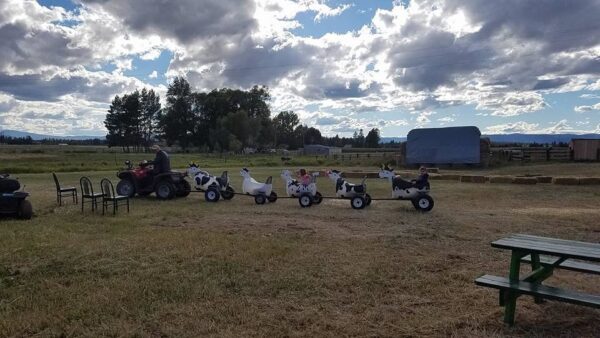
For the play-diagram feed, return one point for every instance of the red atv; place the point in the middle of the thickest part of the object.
(141, 180)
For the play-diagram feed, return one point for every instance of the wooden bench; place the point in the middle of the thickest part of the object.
(544, 255)
(540, 291)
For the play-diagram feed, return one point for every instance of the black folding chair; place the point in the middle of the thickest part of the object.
(64, 191)
(87, 192)
(109, 196)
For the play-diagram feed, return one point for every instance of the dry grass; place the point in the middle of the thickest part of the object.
(189, 268)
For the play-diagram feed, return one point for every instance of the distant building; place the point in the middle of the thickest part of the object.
(452, 145)
(585, 149)
(318, 149)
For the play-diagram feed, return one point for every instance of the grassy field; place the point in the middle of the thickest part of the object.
(187, 268)
(45, 159)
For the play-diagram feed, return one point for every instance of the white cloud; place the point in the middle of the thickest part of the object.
(417, 56)
(586, 109)
(153, 75)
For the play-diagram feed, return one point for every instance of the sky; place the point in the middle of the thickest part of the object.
(513, 66)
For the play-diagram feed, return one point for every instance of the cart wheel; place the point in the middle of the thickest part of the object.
(318, 198)
(260, 199)
(358, 202)
(212, 195)
(368, 199)
(423, 203)
(273, 197)
(305, 200)
(228, 193)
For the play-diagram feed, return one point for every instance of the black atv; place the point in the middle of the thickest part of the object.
(140, 180)
(12, 201)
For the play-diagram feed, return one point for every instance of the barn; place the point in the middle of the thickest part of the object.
(452, 145)
(318, 149)
(585, 149)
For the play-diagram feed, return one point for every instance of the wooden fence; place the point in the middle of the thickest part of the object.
(531, 154)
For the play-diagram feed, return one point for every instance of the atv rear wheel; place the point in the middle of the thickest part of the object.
(164, 190)
(126, 188)
(25, 210)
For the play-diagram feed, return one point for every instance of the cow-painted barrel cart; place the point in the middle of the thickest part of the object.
(214, 187)
(407, 190)
(262, 192)
(307, 194)
(356, 193)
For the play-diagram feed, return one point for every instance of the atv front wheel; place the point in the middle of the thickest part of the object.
(164, 190)
(305, 200)
(125, 188)
(260, 199)
(358, 202)
(212, 195)
(25, 210)
(318, 198)
(228, 193)
(423, 203)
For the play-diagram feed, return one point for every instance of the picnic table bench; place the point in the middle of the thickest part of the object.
(544, 255)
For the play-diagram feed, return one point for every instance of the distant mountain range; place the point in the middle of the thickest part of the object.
(518, 138)
(497, 138)
(37, 137)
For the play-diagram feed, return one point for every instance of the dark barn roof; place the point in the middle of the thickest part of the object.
(457, 145)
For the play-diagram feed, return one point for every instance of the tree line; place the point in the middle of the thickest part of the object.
(220, 120)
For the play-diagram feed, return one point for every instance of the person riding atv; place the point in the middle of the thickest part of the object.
(142, 180)
(161, 161)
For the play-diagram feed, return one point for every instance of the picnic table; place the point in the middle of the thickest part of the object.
(544, 255)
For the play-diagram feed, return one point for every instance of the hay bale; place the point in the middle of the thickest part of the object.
(450, 177)
(472, 179)
(566, 180)
(501, 179)
(525, 180)
(589, 180)
(544, 179)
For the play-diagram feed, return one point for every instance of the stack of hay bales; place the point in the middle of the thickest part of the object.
(473, 178)
(501, 179)
(566, 180)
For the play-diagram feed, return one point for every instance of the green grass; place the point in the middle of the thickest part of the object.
(188, 268)
(45, 159)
